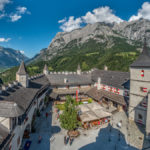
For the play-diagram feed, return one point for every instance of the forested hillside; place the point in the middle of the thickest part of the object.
(89, 55)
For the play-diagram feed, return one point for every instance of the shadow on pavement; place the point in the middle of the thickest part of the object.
(109, 138)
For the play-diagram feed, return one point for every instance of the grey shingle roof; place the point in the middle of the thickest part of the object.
(22, 96)
(72, 79)
(99, 94)
(22, 69)
(111, 78)
(144, 59)
(10, 109)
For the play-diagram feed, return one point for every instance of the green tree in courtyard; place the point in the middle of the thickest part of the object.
(68, 118)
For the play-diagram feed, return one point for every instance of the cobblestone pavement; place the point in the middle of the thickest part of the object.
(43, 129)
(96, 139)
(102, 138)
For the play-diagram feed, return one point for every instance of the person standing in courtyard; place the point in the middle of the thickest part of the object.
(46, 114)
(65, 140)
(39, 139)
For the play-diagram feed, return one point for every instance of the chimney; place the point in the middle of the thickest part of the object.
(105, 68)
(66, 73)
(79, 69)
(65, 80)
(99, 83)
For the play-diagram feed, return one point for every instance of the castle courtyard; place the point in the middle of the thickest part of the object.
(96, 138)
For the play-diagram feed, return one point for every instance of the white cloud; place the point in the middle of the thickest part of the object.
(5, 39)
(144, 12)
(2, 15)
(101, 14)
(18, 14)
(15, 17)
(62, 21)
(71, 24)
(21, 10)
(3, 3)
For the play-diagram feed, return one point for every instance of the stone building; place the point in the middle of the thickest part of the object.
(19, 102)
(21, 99)
(139, 107)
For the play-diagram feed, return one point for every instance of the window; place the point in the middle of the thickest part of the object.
(140, 116)
(142, 73)
(143, 89)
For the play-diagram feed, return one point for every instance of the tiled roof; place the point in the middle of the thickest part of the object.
(111, 78)
(10, 109)
(21, 96)
(72, 79)
(99, 94)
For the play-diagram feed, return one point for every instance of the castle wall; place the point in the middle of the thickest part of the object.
(23, 80)
(148, 116)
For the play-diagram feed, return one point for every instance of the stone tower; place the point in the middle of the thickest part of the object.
(139, 89)
(45, 70)
(78, 70)
(22, 76)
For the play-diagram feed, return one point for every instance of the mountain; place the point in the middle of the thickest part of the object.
(100, 33)
(95, 45)
(10, 57)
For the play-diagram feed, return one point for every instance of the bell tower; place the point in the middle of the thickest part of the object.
(22, 76)
(139, 88)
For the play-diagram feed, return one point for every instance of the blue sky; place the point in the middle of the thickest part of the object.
(30, 25)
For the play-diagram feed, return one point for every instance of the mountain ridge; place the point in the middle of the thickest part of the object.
(10, 57)
(133, 31)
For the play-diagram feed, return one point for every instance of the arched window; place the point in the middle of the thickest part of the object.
(140, 116)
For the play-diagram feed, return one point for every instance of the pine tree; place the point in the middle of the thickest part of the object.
(68, 118)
